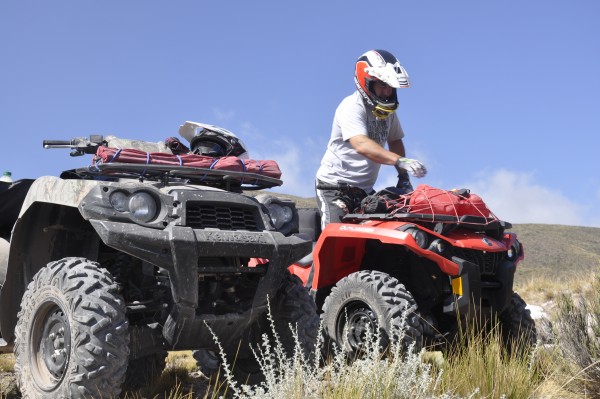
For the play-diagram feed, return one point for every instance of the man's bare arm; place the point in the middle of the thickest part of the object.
(376, 153)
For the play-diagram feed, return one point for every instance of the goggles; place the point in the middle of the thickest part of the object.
(382, 112)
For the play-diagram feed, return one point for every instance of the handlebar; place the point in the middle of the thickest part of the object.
(56, 143)
(79, 145)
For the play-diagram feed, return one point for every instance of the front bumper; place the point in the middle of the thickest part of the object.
(178, 248)
(472, 293)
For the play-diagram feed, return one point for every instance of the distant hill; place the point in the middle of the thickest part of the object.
(565, 252)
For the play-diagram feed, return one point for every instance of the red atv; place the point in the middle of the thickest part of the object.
(430, 260)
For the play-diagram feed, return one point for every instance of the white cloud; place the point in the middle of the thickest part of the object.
(251, 135)
(517, 198)
(296, 161)
(297, 166)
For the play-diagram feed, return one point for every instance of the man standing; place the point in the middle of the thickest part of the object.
(363, 123)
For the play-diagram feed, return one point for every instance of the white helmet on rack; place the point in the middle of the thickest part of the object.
(212, 140)
(380, 65)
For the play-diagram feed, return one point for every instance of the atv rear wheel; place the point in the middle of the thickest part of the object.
(293, 306)
(372, 301)
(71, 338)
(518, 327)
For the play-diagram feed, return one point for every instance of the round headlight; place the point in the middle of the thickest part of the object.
(118, 200)
(438, 246)
(142, 207)
(420, 237)
(513, 252)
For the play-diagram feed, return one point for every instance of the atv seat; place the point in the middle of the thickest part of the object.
(309, 220)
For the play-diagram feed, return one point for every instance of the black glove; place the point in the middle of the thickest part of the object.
(350, 197)
(176, 146)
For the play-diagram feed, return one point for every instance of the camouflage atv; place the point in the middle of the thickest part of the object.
(110, 266)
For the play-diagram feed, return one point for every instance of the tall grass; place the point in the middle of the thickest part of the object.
(485, 364)
(376, 374)
(484, 368)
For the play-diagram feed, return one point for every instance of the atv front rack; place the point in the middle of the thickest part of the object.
(167, 173)
(442, 223)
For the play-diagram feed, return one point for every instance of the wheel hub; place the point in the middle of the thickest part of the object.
(361, 320)
(54, 345)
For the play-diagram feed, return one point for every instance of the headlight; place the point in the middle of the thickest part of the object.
(420, 237)
(119, 201)
(142, 207)
(437, 246)
(280, 214)
(514, 251)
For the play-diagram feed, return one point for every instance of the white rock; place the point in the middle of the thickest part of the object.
(537, 312)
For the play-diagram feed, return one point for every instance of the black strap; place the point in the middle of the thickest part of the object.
(326, 186)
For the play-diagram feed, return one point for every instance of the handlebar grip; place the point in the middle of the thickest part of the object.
(56, 142)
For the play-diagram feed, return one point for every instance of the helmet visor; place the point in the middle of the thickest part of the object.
(209, 148)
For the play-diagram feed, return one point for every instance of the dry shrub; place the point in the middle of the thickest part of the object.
(577, 330)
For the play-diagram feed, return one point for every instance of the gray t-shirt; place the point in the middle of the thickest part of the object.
(341, 163)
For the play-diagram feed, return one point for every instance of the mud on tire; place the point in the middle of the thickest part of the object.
(370, 300)
(72, 335)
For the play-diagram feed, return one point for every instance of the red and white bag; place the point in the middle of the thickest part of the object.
(107, 155)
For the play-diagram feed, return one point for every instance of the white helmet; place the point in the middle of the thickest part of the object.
(212, 140)
(379, 65)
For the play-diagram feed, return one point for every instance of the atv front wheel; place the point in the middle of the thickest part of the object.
(518, 327)
(372, 301)
(71, 338)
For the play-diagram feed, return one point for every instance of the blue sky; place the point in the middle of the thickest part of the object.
(504, 97)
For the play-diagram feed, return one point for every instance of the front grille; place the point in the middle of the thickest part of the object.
(487, 261)
(202, 216)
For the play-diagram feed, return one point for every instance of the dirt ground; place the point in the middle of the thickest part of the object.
(8, 385)
(195, 382)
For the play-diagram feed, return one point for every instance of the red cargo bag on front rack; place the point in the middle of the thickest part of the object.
(268, 168)
(435, 201)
